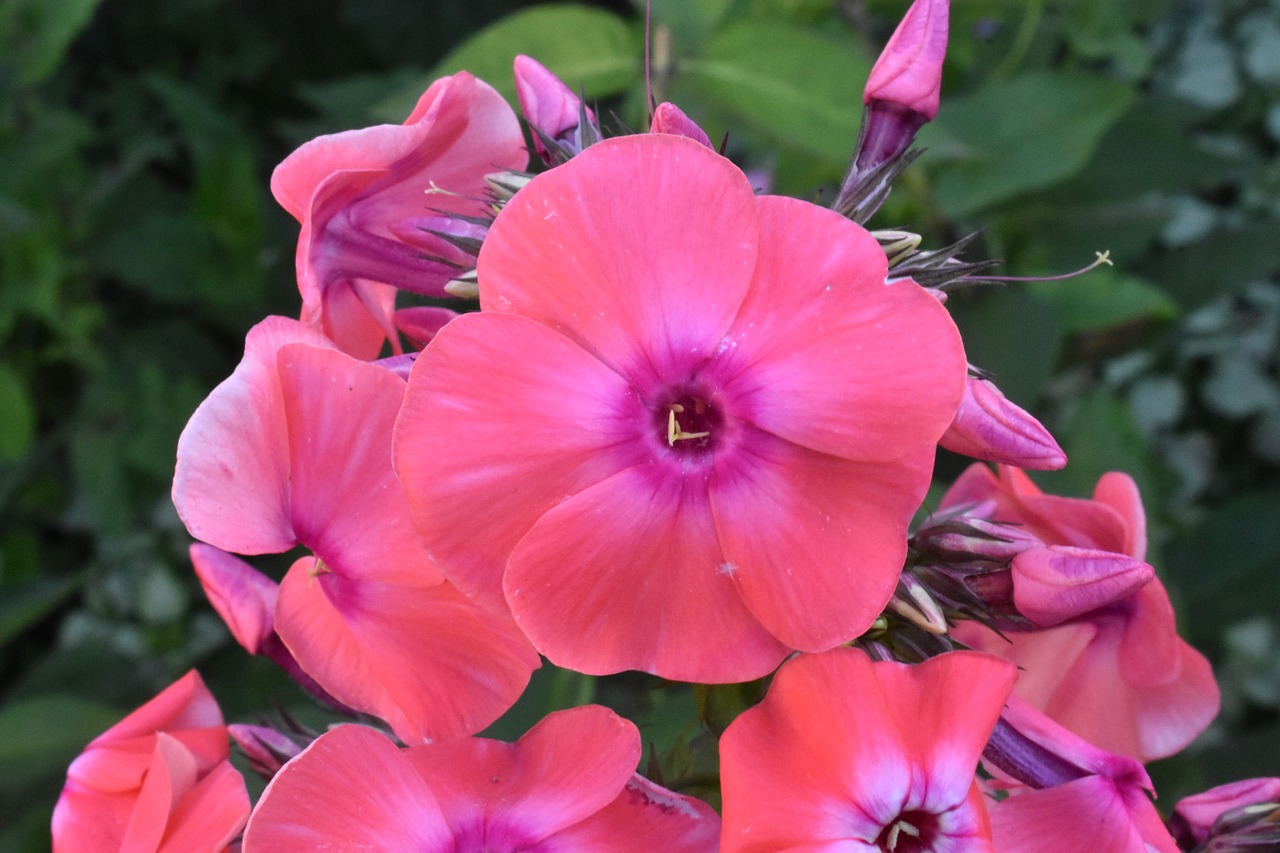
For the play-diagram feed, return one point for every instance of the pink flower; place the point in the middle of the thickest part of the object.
(1237, 810)
(1159, 692)
(295, 448)
(908, 73)
(990, 427)
(848, 754)
(568, 784)
(363, 200)
(1085, 798)
(556, 115)
(689, 428)
(159, 780)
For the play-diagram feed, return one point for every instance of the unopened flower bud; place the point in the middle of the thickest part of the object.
(267, 749)
(668, 118)
(1054, 583)
(987, 426)
(562, 125)
(1242, 815)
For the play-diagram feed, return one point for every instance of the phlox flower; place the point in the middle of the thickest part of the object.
(159, 780)
(1118, 675)
(689, 427)
(367, 204)
(568, 784)
(295, 448)
(848, 755)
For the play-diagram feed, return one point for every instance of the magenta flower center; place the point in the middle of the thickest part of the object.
(688, 423)
(910, 832)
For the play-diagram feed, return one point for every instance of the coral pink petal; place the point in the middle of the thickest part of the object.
(423, 658)
(172, 773)
(824, 566)
(244, 597)
(650, 818)
(975, 485)
(211, 814)
(185, 704)
(1086, 814)
(357, 316)
(854, 367)
(347, 505)
(351, 789)
(482, 460)
(800, 768)
(642, 253)
(567, 767)
(1118, 491)
(621, 575)
(231, 486)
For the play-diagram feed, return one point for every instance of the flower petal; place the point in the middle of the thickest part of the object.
(482, 458)
(641, 252)
(826, 562)
(853, 367)
(623, 574)
(646, 817)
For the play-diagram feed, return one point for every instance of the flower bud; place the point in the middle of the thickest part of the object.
(562, 125)
(987, 426)
(266, 748)
(1242, 815)
(1054, 583)
(668, 118)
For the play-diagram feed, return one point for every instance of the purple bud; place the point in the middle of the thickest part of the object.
(987, 426)
(266, 748)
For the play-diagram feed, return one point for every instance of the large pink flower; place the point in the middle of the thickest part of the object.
(159, 780)
(846, 754)
(295, 448)
(568, 784)
(1118, 675)
(363, 200)
(689, 428)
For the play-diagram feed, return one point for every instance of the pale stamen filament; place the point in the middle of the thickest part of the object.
(674, 432)
(897, 829)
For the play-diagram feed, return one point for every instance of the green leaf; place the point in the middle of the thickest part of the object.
(592, 51)
(799, 88)
(1104, 298)
(26, 605)
(1013, 334)
(690, 21)
(36, 33)
(1019, 135)
(39, 736)
(18, 426)
(1223, 262)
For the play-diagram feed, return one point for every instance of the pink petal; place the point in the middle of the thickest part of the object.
(482, 459)
(627, 575)
(645, 271)
(511, 796)
(1118, 491)
(210, 815)
(231, 486)
(422, 657)
(1087, 814)
(244, 597)
(347, 505)
(828, 560)
(853, 367)
(352, 789)
(172, 773)
(647, 817)
(421, 323)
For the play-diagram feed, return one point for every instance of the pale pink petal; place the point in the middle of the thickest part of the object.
(244, 597)
(855, 367)
(482, 459)
(623, 574)
(231, 486)
(352, 789)
(347, 504)
(825, 566)
(172, 773)
(423, 658)
(1118, 491)
(642, 253)
(511, 796)
(210, 815)
(645, 818)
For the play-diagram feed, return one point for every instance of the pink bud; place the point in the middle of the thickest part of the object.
(244, 597)
(1059, 582)
(1194, 817)
(550, 107)
(668, 118)
(908, 73)
(988, 426)
(968, 536)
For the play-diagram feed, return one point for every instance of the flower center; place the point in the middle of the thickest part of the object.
(911, 832)
(688, 423)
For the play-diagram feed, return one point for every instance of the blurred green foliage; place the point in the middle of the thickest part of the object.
(138, 243)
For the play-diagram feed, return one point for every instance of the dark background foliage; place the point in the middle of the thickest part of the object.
(139, 242)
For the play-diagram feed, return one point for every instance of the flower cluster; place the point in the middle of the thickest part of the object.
(686, 433)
